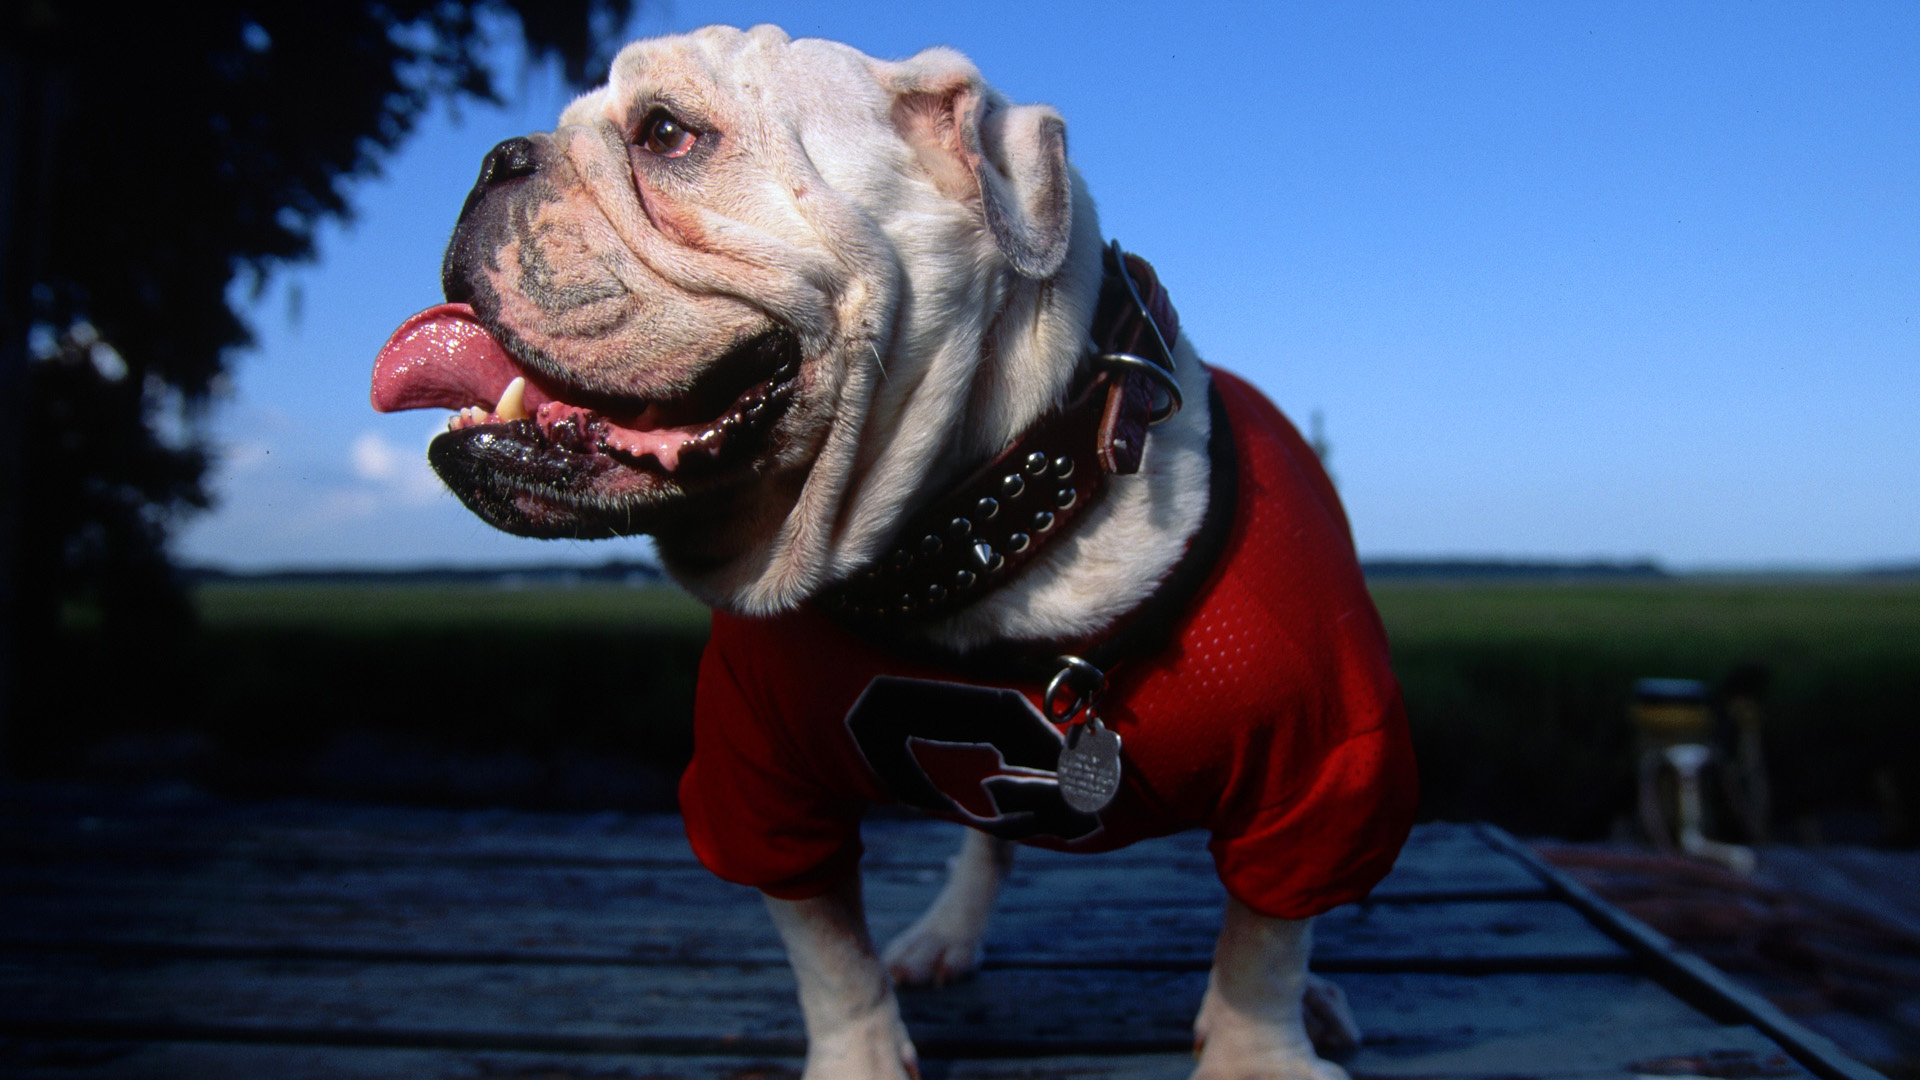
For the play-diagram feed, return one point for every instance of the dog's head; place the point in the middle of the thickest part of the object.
(758, 293)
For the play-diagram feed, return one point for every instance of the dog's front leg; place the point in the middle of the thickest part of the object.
(853, 1021)
(1251, 1025)
(943, 944)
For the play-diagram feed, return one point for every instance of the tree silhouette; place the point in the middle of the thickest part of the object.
(158, 157)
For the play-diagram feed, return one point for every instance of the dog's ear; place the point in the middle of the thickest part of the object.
(1009, 159)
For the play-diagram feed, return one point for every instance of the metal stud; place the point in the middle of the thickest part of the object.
(986, 508)
(906, 603)
(901, 558)
(930, 544)
(1036, 463)
(959, 528)
(935, 594)
(963, 579)
(1065, 498)
(1012, 486)
(1042, 521)
(989, 559)
(1063, 466)
(1017, 543)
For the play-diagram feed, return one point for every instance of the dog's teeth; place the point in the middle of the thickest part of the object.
(513, 400)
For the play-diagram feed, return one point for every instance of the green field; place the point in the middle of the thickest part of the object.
(359, 609)
(1817, 618)
(1517, 691)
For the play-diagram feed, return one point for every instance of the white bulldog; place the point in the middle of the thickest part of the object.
(765, 299)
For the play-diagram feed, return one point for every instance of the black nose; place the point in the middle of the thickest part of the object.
(512, 158)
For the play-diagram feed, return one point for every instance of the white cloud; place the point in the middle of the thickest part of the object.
(374, 458)
(394, 470)
(244, 456)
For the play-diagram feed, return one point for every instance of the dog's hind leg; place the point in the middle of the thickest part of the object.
(1260, 1004)
(853, 1020)
(943, 945)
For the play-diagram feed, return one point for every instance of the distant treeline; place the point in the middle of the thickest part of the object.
(1511, 569)
(615, 572)
(638, 572)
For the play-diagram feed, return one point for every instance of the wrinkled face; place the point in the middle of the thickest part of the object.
(740, 299)
(640, 302)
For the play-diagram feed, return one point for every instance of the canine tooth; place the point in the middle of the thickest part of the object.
(513, 400)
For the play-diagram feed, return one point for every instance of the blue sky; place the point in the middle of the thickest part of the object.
(1564, 280)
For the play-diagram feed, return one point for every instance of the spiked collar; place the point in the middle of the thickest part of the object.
(975, 536)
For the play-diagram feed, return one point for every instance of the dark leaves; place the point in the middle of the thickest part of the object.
(159, 152)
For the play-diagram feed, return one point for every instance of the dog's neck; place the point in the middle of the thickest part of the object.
(977, 536)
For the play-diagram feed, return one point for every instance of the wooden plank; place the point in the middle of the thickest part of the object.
(1102, 914)
(1440, 862)
(360, 942)
(203, 1061)
(1884, 885)
(1687, 974)
(1426, 1019)
(1447, 861)
(307, 831)
(1439, 858)
(71, 1060)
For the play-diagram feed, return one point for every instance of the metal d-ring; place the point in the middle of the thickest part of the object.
(1086, 682)
(1161, 377)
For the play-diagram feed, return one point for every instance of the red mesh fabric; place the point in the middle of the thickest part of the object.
(1273, 719)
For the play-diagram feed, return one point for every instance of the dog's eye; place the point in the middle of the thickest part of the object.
(661, 133)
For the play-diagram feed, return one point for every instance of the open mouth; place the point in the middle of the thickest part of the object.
(537, 457)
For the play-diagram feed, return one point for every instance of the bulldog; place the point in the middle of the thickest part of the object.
(981, 532)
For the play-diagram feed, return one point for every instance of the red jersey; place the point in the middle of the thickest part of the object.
(1271, 719)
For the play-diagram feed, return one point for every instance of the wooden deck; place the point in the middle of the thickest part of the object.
(147, 938)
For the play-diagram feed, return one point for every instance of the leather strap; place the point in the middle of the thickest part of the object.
(1143, 630)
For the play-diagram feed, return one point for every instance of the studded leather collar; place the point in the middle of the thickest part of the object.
(975, 537)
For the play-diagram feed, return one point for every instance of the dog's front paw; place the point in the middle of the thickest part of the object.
(1266, 1067)
(1221, 1060)
(941, 947)
(873, 1048)
(1232, 1045)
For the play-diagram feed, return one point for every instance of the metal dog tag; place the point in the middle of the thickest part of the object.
(1089, 769)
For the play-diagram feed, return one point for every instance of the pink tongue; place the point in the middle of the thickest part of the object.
(441, 358)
